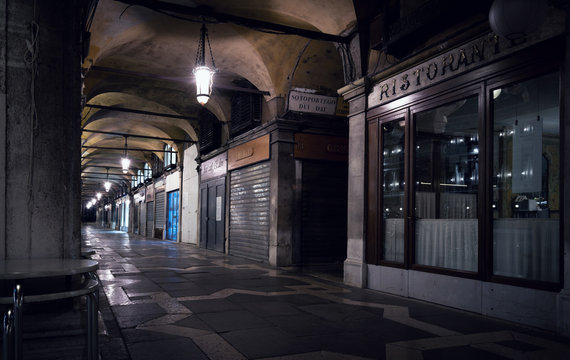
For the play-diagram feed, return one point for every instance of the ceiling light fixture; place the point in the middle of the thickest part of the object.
(107, 183)
(203, 75)
(125, 162)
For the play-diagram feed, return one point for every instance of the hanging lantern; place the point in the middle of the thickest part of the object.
(203, 75)
(107, 184)
(125, 162)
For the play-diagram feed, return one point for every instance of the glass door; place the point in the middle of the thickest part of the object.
(172, 216)
(446, 185)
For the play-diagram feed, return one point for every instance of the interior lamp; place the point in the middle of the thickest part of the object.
(98, 196)
(203, 75)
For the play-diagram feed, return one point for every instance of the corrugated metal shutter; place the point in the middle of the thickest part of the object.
(149, 218)
(143, 221)
(249, 212)
(324, 211)
(136, 216)
(160, 214)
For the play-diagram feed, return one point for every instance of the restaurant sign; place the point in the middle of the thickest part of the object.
(473, 54)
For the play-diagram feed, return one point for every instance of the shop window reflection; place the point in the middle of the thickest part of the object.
(393, 210)
(446, 169)
(526, 180)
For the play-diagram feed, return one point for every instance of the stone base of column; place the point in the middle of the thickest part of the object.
(355, 273)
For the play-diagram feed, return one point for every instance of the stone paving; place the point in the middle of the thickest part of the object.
(164, 300)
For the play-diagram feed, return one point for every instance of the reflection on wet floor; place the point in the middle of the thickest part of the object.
(167, 300)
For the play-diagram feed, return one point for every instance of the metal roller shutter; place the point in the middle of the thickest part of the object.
(160, 214)
(249, 212)
(149, 218)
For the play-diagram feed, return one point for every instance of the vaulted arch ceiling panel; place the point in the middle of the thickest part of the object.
(131, 121)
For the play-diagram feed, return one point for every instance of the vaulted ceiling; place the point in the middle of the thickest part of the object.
(138, 69)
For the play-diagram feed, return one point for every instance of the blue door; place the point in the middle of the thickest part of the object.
(172, 216)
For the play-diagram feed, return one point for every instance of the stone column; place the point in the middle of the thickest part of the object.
(355, 265)
(40, 131)
(281, 220)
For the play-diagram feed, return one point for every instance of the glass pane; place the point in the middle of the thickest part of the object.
(446, 183)
(393, 190)
(526, 180)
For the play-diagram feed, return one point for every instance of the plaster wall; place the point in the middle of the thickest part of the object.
(41, 149)
(190, 197)
(172, 181)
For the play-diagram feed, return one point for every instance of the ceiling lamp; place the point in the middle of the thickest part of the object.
(125, 162)
(204, 76)
(98, 196)
(107, 183)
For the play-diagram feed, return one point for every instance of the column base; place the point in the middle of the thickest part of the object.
(355, 273)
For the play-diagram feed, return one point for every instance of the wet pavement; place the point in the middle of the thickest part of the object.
(175, 301)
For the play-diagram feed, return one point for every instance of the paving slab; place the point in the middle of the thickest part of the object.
(177, 301)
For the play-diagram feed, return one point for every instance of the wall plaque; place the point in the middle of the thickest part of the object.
(311, 103)
(320, 147)
(251, 152)
(214, 167)
(149, 193)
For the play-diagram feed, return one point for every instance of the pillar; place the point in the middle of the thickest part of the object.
(355, 265)
(40, 94)
(281, 219)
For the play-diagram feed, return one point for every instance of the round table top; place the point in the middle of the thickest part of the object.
(39, 268)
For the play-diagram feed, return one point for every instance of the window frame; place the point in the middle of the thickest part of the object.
(517, 68)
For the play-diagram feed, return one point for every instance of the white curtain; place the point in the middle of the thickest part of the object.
(447, 243)
(457, 206)
(425, 205)
(394, 240)
(527, 248)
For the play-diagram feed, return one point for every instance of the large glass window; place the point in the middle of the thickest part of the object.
(446, 172)
(169, 156)
(147, 171)
(526, 180)
(393, 209)
(140, 177)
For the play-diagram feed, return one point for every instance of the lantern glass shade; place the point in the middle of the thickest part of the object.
(107, 186)
(126, 163)
(204, 78)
